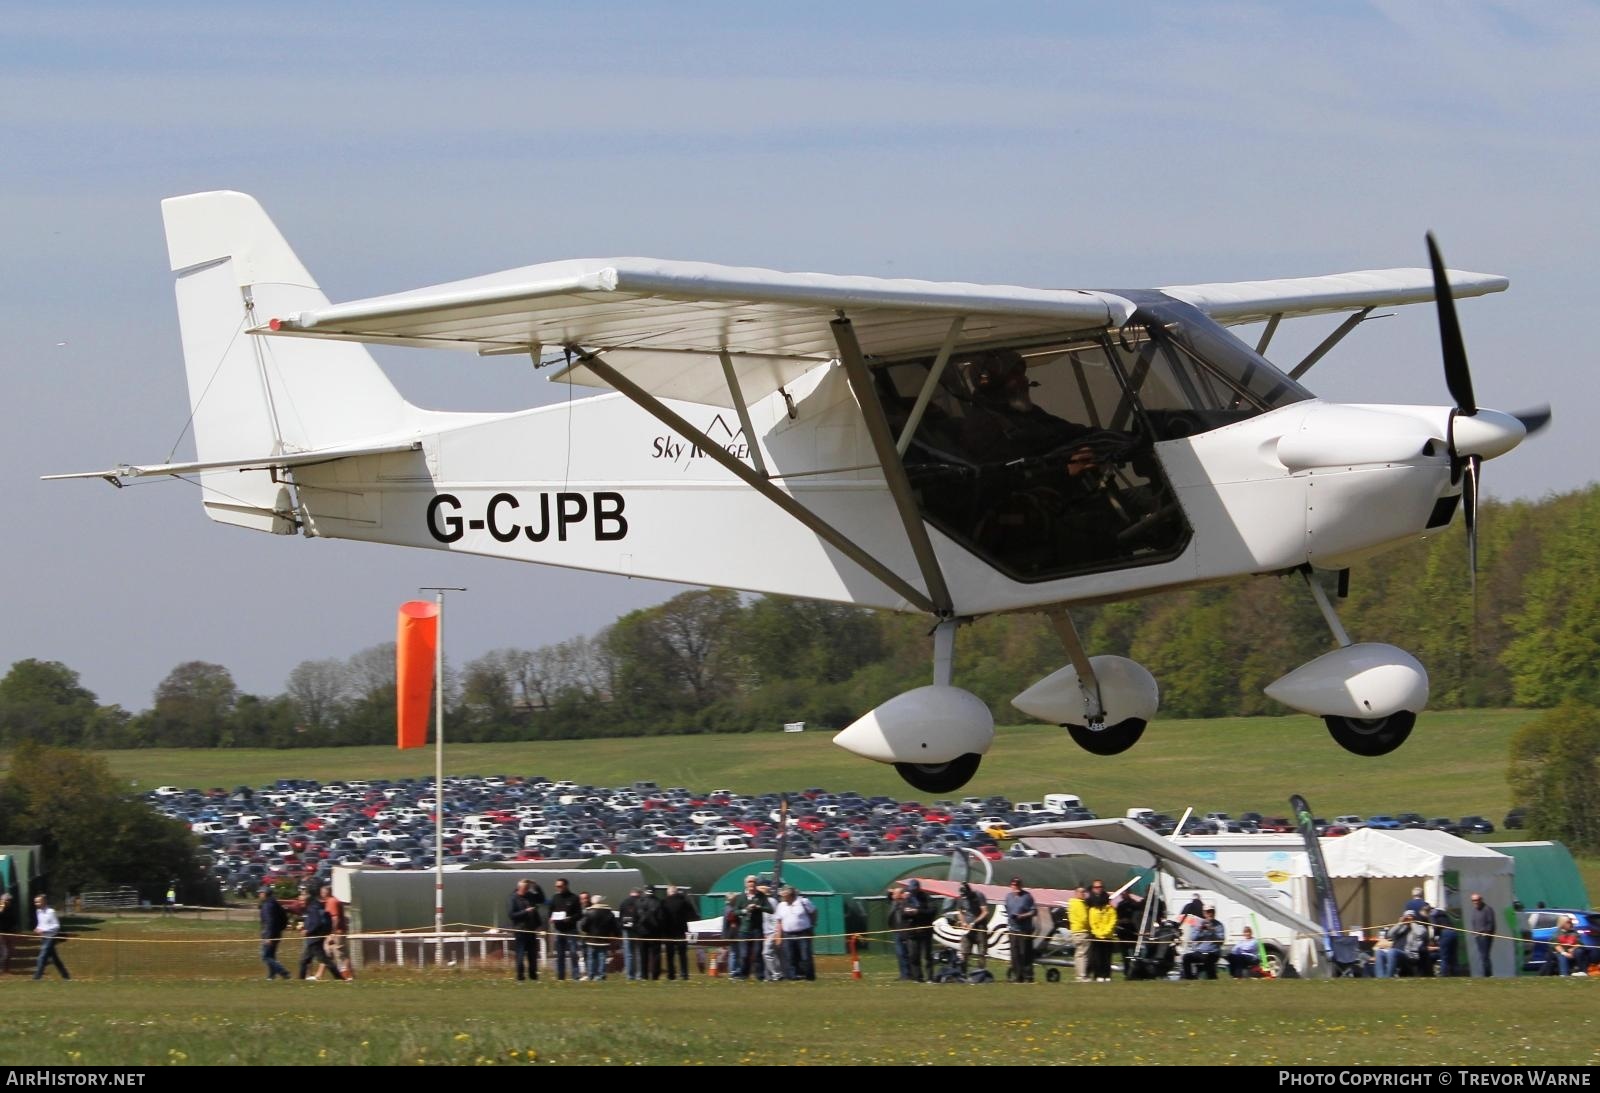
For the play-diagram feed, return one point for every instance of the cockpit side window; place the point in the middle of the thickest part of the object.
(1041, 459)
(1020, 457)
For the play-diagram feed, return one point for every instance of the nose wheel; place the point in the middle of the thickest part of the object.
(1111, 740)
(1371, 736)
(940, 777)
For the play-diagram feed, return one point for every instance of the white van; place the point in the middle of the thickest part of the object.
(1060, 802)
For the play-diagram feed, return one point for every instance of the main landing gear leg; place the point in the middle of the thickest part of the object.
(1368, 736)
(947, 777)
(1094, 736)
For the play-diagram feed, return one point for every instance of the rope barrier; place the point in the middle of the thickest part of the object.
(491, 931)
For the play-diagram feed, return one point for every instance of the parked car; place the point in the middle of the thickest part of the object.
(1477, 825)
(1539, 928)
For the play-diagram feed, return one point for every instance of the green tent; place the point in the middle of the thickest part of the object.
(24, 865)
(385, 900)
(837, 886)
(1545, 874)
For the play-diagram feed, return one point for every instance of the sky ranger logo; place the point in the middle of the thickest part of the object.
(681, 452)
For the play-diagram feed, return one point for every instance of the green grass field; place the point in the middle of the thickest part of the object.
(190, 993)
(466, 1020)
(1454, 764)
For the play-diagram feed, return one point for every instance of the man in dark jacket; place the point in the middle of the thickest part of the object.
(750, 908)
(919, 914)
(599, 930)
(651, 928)
(274, 920)
(1481, 921)
(628, 919)
(565, 910)
(1022, 920)
(1444, 935)
(677, 911)
(317, 926)
(974, 912)
(526, 917)
(900, 925)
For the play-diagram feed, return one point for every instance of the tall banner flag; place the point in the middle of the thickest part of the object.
(1327, 906)
(416, 647)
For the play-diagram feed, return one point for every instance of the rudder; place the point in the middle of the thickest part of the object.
(251, 396)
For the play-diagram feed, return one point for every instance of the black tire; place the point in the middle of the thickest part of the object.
(1377, 736)
(940, 777)
(1053, 975)
(1111, 740)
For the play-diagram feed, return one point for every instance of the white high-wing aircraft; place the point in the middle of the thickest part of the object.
(958, 450)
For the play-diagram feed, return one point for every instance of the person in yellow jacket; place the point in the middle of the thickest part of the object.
(1078, 926)
(1103, 931)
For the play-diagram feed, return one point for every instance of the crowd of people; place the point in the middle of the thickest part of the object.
(1106, 928)
(768, 935)
(324, 923)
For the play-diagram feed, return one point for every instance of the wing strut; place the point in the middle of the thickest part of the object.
(1329, 342)
(1266, 335)
(1067, 632)
(736, 467)
(894, 471)
(931, 385)
(743, 411)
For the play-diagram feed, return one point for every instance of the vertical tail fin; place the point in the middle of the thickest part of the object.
(251, 396)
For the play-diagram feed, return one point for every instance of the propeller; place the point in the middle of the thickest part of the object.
(1474, 434)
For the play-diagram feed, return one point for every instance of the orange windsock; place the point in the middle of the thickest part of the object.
(415, 647)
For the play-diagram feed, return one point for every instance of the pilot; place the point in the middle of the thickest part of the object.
(1043, 493)
(1004, 424)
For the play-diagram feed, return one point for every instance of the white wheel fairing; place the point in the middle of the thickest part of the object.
(1361, 682)
(1128, 692)
(927, 727)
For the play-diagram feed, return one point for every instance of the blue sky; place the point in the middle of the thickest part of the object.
(1060, 145)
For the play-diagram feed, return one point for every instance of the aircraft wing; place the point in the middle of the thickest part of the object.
(1257, 301)
(996, 893)
(666, 323)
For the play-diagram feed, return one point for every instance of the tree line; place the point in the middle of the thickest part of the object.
(714, 661)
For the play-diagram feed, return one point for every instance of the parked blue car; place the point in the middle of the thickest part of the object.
(1538, 928)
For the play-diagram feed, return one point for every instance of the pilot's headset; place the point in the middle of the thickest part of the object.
(991, 375)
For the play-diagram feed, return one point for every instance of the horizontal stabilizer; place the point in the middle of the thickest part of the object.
(116, 475)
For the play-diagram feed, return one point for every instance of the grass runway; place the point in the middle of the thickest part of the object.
(455, 1019)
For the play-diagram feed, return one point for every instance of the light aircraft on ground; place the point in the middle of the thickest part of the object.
(956, 450)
